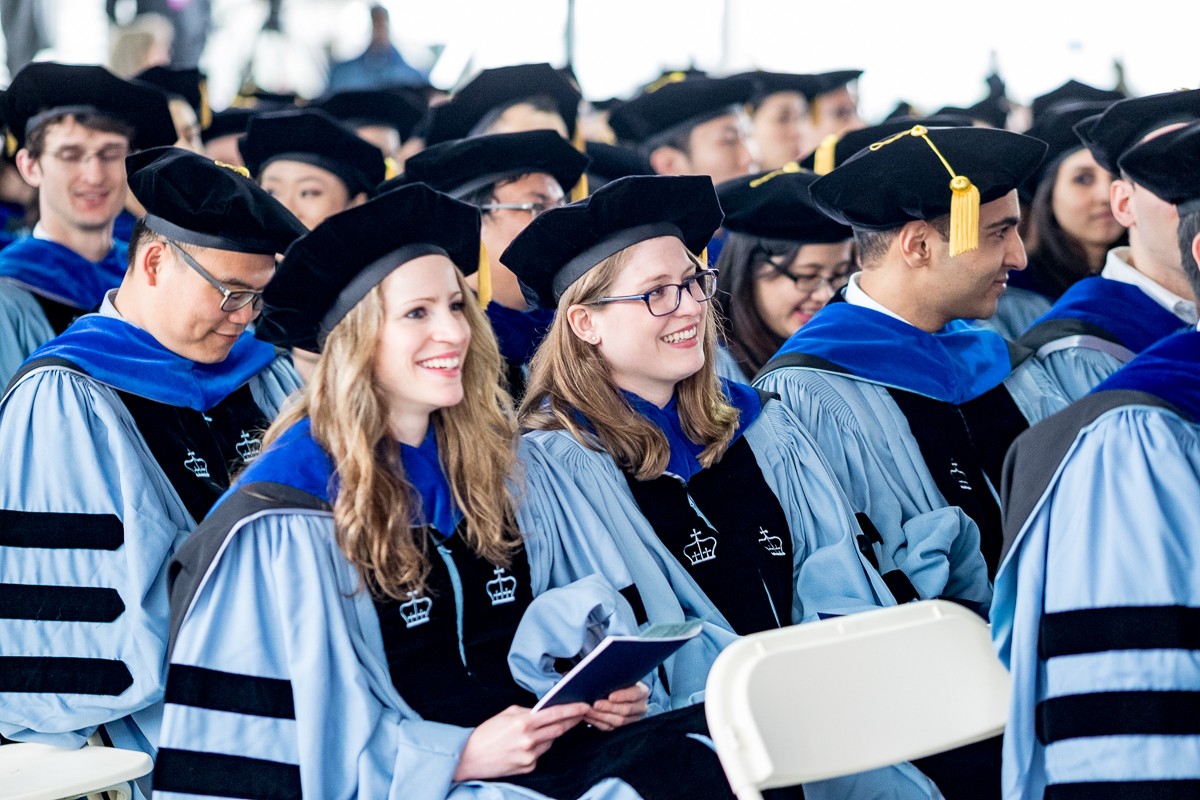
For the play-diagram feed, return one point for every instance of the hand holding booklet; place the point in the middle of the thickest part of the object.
(617, 662)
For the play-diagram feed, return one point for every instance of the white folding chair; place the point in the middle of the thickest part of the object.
(41, 772)
(846, 695)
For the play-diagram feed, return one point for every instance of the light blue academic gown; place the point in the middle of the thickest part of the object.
(39, 266)
(868, 441)
(729, 368)
(73, 448)
(578, 501)
(1095, 328)
(1016, 310)
(267, 602)
(1097, 598)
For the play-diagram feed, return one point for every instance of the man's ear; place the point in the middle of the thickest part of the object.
(670, 161)
(150, 261)
(915, 243)
(1119, 196)
(30, 169)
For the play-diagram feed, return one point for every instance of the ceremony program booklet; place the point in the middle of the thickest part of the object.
(617, 662)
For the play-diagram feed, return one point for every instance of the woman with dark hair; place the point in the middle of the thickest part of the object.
(343, 622)
(783, 262)
(1070, 227)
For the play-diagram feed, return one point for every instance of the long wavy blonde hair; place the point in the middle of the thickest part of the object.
(374, 503)
(569, 376)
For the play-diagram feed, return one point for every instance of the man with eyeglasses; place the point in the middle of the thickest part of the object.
(511, 178)
(122, 433)
(72, 127)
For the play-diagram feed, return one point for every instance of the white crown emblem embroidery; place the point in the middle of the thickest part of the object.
(773, 544)
(700, 550)
(502, 589)
(416, 611)
(248, 448)
(958, 475)
(197, 465)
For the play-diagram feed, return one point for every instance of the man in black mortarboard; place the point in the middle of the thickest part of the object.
(384, 117)
(1099, 579)
(125, 430)
(780, 124)
(913, 405)
(833, 105)
(15, 194)
(511, 178)
(1141, 295)
(71, 128)
(689, 125)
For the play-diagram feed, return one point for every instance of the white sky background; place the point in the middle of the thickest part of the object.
(929, 52)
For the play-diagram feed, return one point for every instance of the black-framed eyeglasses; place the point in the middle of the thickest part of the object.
(534, 209)
(231, 299)
(835, 278)
(665, 299)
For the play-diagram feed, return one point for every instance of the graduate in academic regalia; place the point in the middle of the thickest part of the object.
(384, 117)
(72, 127)
(511, 178)
(222, 136)
(833, 106)
(943, 399)
(643, 464)
(311, 163)
(690, 125)
(783, 261)
(187, 96)
(1070, 226)
(780, 125)
(342, 622)
(121, 433)
(1097, 597)
(1141, 294)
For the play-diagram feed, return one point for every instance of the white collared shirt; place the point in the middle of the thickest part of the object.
(39, 232)
(855, 296)
(109, 308)
(1118, 268)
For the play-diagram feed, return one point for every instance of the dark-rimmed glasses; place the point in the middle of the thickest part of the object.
(664, 300)
(534, 209)
(805, 284)
(231, 299)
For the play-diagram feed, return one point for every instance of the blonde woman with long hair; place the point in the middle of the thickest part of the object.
(343, 622)
(709, 495)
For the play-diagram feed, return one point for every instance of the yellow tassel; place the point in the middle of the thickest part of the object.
(670, 77)
(823, 158)
(580, 190)
(704, 258)
(390, 170)
(245, 173)
(485, 277)
(964, 216)
(10, 144)
(205, 109)
(790, 167)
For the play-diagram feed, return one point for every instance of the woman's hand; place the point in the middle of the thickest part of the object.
(620, 708)
(511, 742)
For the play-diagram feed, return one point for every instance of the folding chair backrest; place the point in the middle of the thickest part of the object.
(41, 772)
(846, 695)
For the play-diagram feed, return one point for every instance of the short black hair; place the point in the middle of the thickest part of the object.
(872, 246)
(1189, 229)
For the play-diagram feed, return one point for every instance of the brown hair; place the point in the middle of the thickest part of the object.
(36, 140)
(569, 377)
(373, 509)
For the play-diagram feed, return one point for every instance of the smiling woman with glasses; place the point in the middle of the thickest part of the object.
(782, 262)
(643, 463)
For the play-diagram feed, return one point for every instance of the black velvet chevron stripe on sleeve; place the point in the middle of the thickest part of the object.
(60, 531)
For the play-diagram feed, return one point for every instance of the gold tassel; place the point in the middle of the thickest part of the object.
(823, 158)
(704, 258)
(790, 167)
(964, 215)
(580, 190)
(245, 173)
(964, 196)
(485, 277)
(390, 169)
(10, 144)
(205, 109)
(669, 78)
